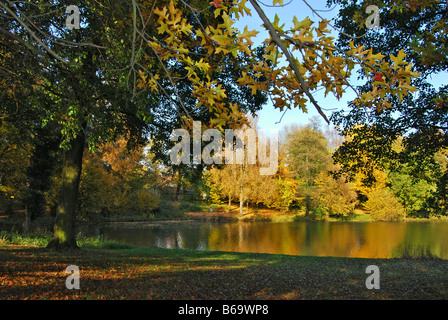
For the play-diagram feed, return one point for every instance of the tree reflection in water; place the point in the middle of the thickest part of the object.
(341, 239)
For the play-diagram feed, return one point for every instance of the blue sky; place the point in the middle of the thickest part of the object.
(269, 117)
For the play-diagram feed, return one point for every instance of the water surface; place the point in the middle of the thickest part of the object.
(340, 239)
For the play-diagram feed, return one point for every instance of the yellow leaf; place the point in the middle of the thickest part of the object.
(276, 22)
(272, 56)
(203, 65)
(247, 35)
(228, 23)
(163, 28)
(398, 60)
(408, 87)
(377, 56)
(142, 76)
(242, 7)
(160, 13)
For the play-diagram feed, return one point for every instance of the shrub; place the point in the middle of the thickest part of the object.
(334, 197)
(383, 205)
(37, 239)
(412, 192)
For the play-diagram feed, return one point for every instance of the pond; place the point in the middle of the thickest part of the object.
(338, 239)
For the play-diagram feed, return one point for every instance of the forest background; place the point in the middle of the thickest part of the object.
(388, 162)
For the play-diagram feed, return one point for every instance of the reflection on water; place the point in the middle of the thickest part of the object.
(341, 239)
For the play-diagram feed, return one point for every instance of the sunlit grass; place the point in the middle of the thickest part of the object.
(36, 239)
(40, 239)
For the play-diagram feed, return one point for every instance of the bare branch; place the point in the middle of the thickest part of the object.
(33, 35)
(341, 32)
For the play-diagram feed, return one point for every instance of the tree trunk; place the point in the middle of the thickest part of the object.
(230, 201)
(241, 190)
(27, 223)
(307, 205)
(241, 200)
(178, 185)
(64, 236)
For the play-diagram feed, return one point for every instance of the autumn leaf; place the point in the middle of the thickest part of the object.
(378, 77)
(398, 60)
(276, 22)
(216, 3)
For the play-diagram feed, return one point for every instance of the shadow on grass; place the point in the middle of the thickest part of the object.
(37, 273)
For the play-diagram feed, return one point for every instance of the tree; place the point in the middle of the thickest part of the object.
(43, 162)
(321, 64)
(14, 160)
(419, 29)
(413, 193)
(100, 80)
(380, 165)
(21, 110)
(374, 153)
(308, 155)
(243, 179)
(86, 102)
(334, 196)
(383, 205)
(118, 181)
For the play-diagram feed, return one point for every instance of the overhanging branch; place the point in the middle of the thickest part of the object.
(276, 39)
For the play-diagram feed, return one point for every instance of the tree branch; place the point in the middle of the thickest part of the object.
(33, 35)
(276, 38)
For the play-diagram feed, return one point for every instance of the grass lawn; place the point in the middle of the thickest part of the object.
(33, 272)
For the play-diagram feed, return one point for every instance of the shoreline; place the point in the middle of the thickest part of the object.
(16, 220)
